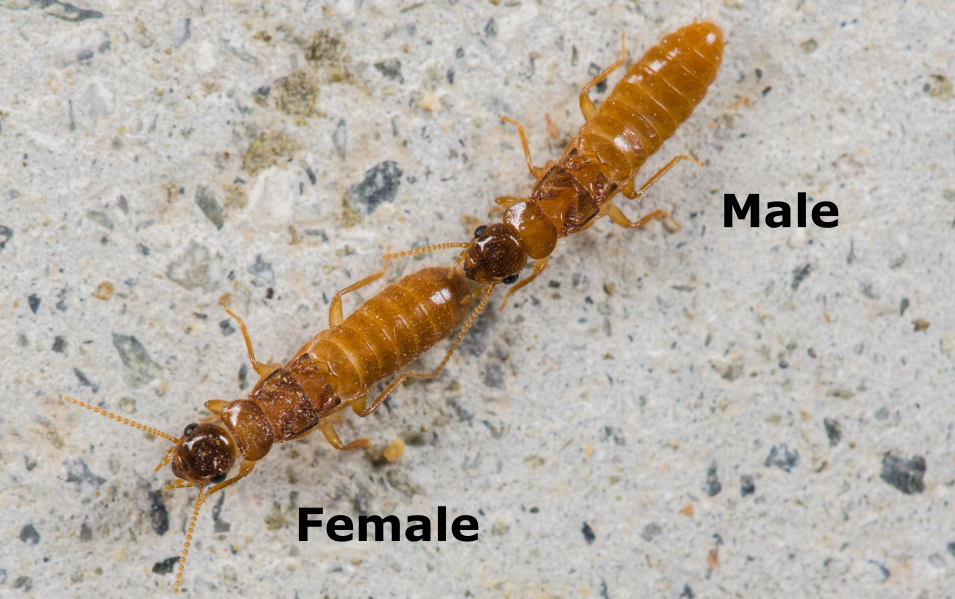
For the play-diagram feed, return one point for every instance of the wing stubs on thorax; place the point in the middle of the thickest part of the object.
(285, 404)
(388, 331)
(654, 97)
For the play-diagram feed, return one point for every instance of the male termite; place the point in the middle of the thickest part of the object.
(644, 109)
(334, 370)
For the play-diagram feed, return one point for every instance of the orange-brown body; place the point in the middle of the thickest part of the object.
(644, 109)
(340, 364)
(333, 370)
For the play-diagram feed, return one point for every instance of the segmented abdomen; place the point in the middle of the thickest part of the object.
(654, 97)
(392, 329)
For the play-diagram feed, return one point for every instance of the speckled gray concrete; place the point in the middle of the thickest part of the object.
(715, 412)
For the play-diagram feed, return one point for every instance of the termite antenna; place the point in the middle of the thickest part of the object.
(424, 250)
(464, 329)
(185, 544)
(122, 420)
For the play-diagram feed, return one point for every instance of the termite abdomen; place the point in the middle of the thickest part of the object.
(655, 96)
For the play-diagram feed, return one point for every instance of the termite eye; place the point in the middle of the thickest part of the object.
(480, 230)
(510, 279)
(218, 479)
(189, 429)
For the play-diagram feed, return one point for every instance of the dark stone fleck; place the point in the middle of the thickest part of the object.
(800, 274)
(206, 201)
(3, 575)
(687, 593)
(34, 302)
(100, 218)
(650, 530)
(158, 515)
(588, 533)
(882, 414)
(85, 381)
(339, 140)
(904, 475)
(220, 524)
(29, 462)
(390, 68)
(6, 234)
(882, 570)
(66, 11)
(138, 367)
(226, 327)
(61, 296)
(269, 293)
(59, 344)
(262, 271)
(490, 30)
(29, 535)
(616, 433)
(77, 471)
(494, 376)
(86, 533)
(243, 375)
(746, 485)
(903, 306)
(182, 31)
(23, 582)
(461, 414)
(951, 548)
(166, 566)
(782, 458)
(593, 70)
(712, 487)
(123, 204)
(833, 431)
(379, 185)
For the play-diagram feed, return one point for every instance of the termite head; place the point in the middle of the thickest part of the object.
(496, 255)
(205, 453)
(499, 252)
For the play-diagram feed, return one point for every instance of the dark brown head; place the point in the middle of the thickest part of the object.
(205, 454)
(495, 256)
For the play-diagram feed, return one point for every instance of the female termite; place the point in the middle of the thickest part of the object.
(334, 370)
(644, 109)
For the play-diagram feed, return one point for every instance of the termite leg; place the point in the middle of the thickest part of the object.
(617, 216)
(244, 470)
(335, 441)
(335, 316)
(586, 104)
(536, 171)
(539, 267)
(215, 405)
(363, 410)
(628, 187)
(166, 458)
(259, 367)
(508, 201)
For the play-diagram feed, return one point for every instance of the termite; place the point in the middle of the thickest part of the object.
(644, 109)
(334, 370)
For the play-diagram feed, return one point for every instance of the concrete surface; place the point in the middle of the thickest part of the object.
(711, 413)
